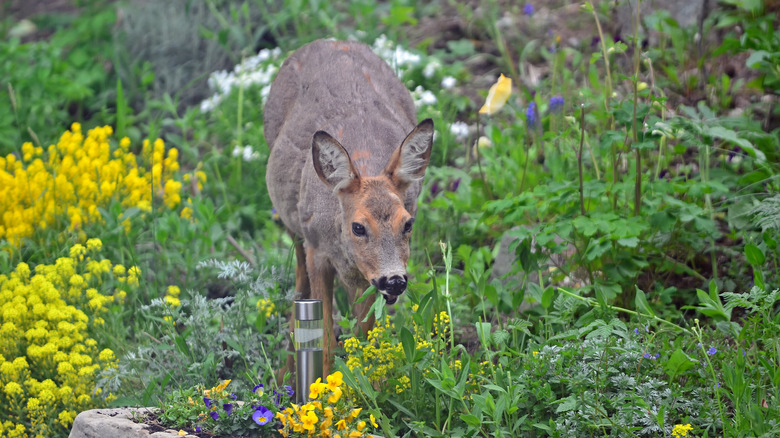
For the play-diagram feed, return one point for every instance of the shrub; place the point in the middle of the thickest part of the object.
(66, 186)
(50, 360)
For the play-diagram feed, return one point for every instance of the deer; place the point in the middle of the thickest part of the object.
(346, 165)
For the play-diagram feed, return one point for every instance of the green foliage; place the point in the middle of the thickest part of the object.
(47, 85)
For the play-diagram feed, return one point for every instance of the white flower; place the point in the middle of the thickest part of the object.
(448, 82)
(431, 68)
(258, 69)
(459, 129)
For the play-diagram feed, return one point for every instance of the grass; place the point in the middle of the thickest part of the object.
(636, 198)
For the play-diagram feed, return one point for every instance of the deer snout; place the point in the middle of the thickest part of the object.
(394, 286)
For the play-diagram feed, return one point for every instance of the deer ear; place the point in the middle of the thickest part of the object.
(332, 163)
(409, 161)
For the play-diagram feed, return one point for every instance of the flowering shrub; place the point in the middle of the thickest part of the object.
(382, 356)
(67, 185)
(49, 363)
(329, 414)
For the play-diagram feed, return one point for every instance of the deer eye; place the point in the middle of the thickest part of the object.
(408, 226)
(358, 230)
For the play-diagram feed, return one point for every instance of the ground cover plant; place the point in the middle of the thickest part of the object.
(595, 251)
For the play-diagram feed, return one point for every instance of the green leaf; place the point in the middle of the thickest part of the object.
(567, 404)
(754, 255)
(641, 303)
(407, 340)
(678, 363)
(483, 332)
(471, 420)
(547, 297)
(371, 289)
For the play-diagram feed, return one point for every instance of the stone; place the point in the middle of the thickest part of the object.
(116, 423)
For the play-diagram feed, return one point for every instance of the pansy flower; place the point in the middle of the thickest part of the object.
(262, 415)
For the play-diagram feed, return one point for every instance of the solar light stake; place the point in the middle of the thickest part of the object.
(308, 346)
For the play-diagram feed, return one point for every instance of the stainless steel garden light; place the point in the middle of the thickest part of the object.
(308, 345)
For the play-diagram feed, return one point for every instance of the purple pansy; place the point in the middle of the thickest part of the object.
(214, 415)
(262, 415)
(228, 407)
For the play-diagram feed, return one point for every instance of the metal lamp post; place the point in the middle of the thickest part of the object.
(308, 345)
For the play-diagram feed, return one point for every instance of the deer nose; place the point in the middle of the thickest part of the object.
(395, 285)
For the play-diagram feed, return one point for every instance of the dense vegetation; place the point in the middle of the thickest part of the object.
(595, 256)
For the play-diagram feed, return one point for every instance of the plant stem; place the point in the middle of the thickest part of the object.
(593, 303)
(579, 158)
(638, 182)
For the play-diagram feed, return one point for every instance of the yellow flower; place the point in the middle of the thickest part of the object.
(221, 387)
(335, 380)
(680, 430)
(497, 96)
(341, 424)
(309, 420)
(182, 433)
(335, 396)
(373, 420)
(316, 388)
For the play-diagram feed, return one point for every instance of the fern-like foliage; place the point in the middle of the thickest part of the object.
(767, 213)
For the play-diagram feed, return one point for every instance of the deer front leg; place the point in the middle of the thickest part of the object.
(321, 275)
(302, 291)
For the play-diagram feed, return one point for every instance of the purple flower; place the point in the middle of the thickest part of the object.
(528, 9)
(197, 429)
(260, 387)
(435, 188)
(650, 356)
(289, 390)
(214, 415)
(647, 328)
(716, 385)
(274, 214)
(228, 407)
(207, 401)
(233, 396)
(530, 114)
(455, 185)
(743, 352)
(712, 351)
(262, 415)
(556, 103)
(636, 331)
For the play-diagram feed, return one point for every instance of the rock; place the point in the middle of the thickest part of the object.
(115, 423)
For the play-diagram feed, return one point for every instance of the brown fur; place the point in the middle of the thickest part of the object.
(344, 150)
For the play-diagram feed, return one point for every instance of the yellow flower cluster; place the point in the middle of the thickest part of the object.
(48, 362)
(266, 307)
(681, 430)
(67, 185)
(327, 415)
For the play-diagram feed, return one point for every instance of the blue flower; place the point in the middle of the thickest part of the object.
(197, 429)
(712, 351)
(530, 114)
(228, 407)
(233, 396)
(258, 387)
(528, 9)
(214, 415)
(556, 103)
(262, 415)
(207, 401)
(289, 390)
(636, 331)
